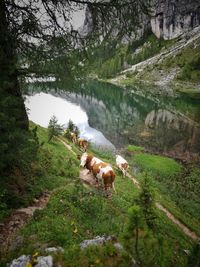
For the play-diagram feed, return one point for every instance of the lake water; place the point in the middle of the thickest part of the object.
(112, 117)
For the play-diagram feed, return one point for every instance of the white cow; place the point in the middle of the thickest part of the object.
(122, 164)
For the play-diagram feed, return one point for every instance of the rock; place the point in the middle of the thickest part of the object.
(20, 262)
(98, 240)
(173, 17)
(44, 261)
(118, 246)
(54, 250)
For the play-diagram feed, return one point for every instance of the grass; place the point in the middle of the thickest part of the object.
(160, 167)
(174, 189)
(75, 213)
(132, 148)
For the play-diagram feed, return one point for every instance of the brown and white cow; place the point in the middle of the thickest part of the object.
(83, 143)
(122, 164)
(73, 137)
(101, 170)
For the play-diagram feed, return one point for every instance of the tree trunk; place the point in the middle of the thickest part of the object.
(11, 101)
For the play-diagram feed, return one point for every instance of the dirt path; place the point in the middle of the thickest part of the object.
(89, 179)
(66, 145)
(183, 227)
(17, 219)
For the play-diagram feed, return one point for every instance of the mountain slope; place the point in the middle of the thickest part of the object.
(177, 66)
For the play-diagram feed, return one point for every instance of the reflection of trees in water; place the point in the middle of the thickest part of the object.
(127, 117)
(173, 133)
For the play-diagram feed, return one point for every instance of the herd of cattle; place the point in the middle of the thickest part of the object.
(102, 171)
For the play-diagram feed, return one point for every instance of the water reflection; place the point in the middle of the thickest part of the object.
(42, 106)
(165, 125)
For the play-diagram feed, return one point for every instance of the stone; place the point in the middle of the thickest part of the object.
(98, 240)
(54, 250)
(20, 262)
(46, 261)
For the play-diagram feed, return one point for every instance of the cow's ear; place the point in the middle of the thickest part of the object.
(78, 156)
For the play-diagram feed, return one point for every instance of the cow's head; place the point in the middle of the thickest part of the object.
(84, 159)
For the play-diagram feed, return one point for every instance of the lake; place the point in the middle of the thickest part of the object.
(113, 117)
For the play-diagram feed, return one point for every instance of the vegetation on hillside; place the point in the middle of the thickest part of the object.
(108, 59)
(188, 60)
(75, 213)
(175, 184)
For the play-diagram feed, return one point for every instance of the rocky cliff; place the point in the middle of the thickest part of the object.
(171, 18)
(167, 19)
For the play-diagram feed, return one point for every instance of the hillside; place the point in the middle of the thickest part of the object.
(175, 67)
(76, 212)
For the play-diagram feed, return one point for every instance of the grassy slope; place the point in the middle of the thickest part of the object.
(174, 189)
(75, 213)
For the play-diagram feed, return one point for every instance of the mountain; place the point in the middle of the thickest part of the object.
(166, 19)
(162, 49)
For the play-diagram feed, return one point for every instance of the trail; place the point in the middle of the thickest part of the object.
(88, 178)
(17, 219)
(172, 218)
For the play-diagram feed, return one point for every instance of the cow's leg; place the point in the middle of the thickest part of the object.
(124, 172)
(113, 186)
(108, 191)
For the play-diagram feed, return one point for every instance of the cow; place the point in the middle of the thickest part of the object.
(88, 161)
(83, 143)
(73, 137)
(122, 164)
(101, 170)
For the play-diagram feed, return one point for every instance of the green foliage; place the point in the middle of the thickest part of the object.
(54, 129)
(191, 69)
(108, 60)
(147, 202)
(188, 60)
(194, 257)
(182, 189)
(3, 205)
(159, 166)
(132, 148)
(71, 128)
(14, 180)
(134, 225)
(75, 213)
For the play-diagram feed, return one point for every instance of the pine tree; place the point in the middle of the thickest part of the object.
(146, 200)
(54, 129)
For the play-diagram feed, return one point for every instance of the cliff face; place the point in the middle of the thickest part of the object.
(167, 19)
(171, 18)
